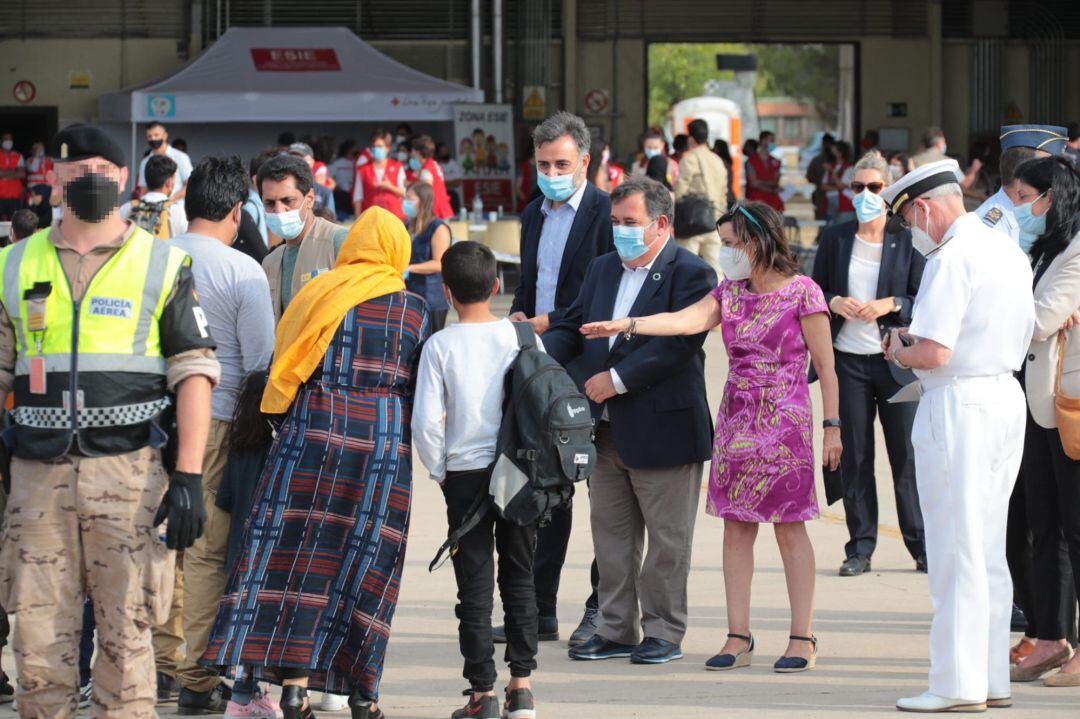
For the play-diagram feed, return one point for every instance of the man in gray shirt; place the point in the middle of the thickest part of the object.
(235, 296)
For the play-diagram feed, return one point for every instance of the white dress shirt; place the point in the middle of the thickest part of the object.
(856, 336)
(183, 168)
(630, 284)
(556, 230)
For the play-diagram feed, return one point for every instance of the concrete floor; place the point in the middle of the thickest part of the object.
(872, 630)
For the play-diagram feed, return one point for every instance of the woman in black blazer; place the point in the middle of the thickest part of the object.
(870, 279)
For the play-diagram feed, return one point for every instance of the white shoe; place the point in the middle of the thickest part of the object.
(333, 703)
(927, 703)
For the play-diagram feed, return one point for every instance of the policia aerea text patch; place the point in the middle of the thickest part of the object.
(111, 307)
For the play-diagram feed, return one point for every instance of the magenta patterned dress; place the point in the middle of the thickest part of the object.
(763, 456)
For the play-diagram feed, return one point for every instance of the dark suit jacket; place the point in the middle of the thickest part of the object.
(590, 237)
(901, 272)
(663, 420)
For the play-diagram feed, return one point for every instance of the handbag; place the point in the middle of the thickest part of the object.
(694, 215)
(1066, 409)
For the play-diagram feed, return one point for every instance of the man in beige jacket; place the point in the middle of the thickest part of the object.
(701, 171)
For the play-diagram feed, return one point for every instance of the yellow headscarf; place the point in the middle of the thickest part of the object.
(370, 264)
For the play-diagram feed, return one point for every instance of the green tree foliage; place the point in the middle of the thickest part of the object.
(805, 72)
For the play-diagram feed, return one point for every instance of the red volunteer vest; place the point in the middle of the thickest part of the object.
(374, 196)
(36, 167)
(442, 200)
(767, 171)
(10, 189)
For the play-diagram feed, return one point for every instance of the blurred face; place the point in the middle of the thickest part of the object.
(1041, 201)
(867, 179)
(412, 197)
(653, 144)
(67, 176)
(6, 141)
(308, 159)
(282, 196)
(561, 157)
(156, 137)
(38, 149)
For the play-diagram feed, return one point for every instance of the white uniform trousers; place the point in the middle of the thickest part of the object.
(968, 439)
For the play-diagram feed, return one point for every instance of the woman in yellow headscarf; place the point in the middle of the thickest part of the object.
(310, 600)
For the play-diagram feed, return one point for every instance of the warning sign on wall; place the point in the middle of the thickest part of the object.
(534, 106)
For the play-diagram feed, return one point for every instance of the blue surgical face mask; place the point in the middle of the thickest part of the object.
(771, 147)
(409, 208)
(651, 152)
(1031, 226)
(868, 206)
(558, 188)
(286, 225)
(379, 153)
(630, 241)
(415, 164)
(403, 157)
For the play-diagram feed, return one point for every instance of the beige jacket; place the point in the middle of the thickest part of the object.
(1057, 295)
(702, 171)
(317, 255)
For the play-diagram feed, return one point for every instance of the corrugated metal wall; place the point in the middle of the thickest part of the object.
(93, 18)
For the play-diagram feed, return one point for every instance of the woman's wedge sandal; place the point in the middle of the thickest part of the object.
(791, 665)
(724, 662)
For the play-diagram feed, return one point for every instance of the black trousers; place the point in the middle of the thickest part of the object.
(1018, 554)
(1052, 493)
(865, 388)
(474, 569)
(552, 541)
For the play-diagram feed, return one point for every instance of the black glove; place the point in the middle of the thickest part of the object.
(183, 506)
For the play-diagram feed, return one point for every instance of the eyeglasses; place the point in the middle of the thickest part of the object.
(875, 187)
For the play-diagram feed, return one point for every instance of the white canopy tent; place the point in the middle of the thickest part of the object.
(287, 75)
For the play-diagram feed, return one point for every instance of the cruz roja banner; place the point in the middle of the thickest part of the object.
(484, 139)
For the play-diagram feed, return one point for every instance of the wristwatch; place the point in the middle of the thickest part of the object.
(896, 305)
(830, 423)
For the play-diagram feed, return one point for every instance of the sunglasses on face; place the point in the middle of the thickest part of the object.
(874, 187)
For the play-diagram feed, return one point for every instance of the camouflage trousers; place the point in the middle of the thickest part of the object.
(79, 526)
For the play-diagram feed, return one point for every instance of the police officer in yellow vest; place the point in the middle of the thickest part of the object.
(99, 323)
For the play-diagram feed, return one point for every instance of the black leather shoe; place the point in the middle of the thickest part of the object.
(293, 701)
(360, 706)
(547, 631)
(167, 688)
(655, 651)
(590, 622)
(920, 563)
(854, 566)
(600, 648)
(192, 703)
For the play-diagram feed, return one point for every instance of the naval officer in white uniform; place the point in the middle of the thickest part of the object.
(1019, 143)
(973, 320)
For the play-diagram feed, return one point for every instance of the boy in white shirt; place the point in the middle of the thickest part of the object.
(456, 415)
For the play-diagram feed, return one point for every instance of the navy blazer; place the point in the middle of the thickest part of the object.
(901, 272)
(590, 237)
(663, 420)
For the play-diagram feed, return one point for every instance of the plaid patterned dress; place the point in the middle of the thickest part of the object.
(317, 577)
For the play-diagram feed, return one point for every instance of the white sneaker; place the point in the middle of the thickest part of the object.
(333, 703)
(927, 703)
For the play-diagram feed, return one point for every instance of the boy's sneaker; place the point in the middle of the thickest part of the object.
(85, 692)
(258, 708)
(482, 707)
(519, 705)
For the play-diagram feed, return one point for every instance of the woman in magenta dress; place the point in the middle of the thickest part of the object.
(763, 458)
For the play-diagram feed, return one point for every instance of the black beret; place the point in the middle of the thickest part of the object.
(80, 142)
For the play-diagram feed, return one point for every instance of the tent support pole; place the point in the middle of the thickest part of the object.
(476, 43)
(497, 49)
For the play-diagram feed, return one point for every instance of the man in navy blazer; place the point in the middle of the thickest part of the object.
(562, 231)
(654, 429)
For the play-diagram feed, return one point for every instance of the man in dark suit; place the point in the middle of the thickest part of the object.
(654, 429)
(561, 232)
(864, 310)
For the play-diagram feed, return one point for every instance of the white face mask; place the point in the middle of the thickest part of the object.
(735, 263)
(920, 238)
(7, 145)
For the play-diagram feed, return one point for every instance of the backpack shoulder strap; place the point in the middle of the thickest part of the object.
(525, 334)
(477, 511)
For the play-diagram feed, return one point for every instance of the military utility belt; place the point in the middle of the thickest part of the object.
(117, 416)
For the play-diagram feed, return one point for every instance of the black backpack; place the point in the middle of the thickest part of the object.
(546, 443)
